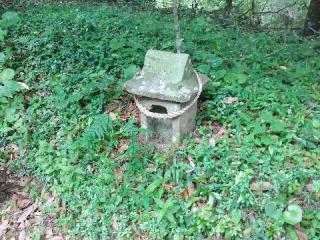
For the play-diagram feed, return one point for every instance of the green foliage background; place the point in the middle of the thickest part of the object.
(74, 59)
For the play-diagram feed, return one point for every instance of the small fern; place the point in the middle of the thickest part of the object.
(101, 125)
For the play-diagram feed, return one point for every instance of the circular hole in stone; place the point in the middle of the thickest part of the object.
(158, 109)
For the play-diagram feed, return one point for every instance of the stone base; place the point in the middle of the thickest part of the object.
(164, 132)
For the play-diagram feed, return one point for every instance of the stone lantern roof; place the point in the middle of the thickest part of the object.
(165, 76)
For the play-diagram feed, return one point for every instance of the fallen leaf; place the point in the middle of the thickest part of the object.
(189, 192)
(310, 187)
(25, 214)
(27, 224)
(115, 225)
(301, 235)
(22, 194)
(22, 226)
(37, 220)
(37, 213)
(23, 203)
(221, 132)
(259, 187)
(56, 238)
(212, 141)
(123, 148)
(247, 231)
(112, 116)
(168, 187)
(50, 201)
(185, 194)
(283, 67)
(49, 233)
(191, 189)
(213, 237)
(192, 164)
(4, 226)
(14, 148)
(230, 100)
(22, 235)
(201, 204)
(118, 172)
(151, 168)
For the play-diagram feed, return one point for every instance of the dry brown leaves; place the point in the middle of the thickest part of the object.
(231, 100)
(118, 153)
(115, 225)
(22, 215)
(151, 168)
(189, 192)
(261, 186)
(218, 133)
(129, 110)
(112, 116)
(301, 235)
(125, 107)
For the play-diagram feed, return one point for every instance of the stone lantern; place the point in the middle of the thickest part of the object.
(168, 89)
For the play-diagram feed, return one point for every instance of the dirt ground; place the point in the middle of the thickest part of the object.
(26, 210)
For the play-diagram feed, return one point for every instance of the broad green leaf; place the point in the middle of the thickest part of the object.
(130, 71)
(266, 140)
(116, 43)
(239, 78)
(316, 123)
(214, 60)
(215, 46)
(6, 74)
(236, 216)
(272, 211)
(293, 215)
(267, 116)
(219, 74)
(23, 85)
(9, 88)
(5, 129)
(10, 114)
(170, 217)
(259, 128)
(277, 126)
(2, 34)
(161, 214)
(203, 68)
(153, 186)
(242, 78)
(9, 19)
(2, 57)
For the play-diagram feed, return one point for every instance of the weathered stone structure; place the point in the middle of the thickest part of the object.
(166, 84)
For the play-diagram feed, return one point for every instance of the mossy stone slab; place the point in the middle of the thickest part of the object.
(165, 76)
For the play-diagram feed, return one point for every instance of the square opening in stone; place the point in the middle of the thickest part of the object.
(161, 129)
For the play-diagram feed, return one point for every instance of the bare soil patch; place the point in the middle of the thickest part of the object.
(27, 211)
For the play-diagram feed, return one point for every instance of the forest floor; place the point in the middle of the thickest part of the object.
(249, 171)
(27, 213)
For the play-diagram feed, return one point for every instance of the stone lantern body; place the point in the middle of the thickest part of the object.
(166, 84)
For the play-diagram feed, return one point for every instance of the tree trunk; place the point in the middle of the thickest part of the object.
(253, 11)
(177, 25)
(228, 7)
(312, 23)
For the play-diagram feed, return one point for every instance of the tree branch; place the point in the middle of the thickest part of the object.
(177, 25)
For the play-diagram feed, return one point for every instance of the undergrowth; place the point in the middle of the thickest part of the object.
(75, 60)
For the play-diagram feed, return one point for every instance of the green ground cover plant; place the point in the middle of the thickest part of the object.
(250, 171)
